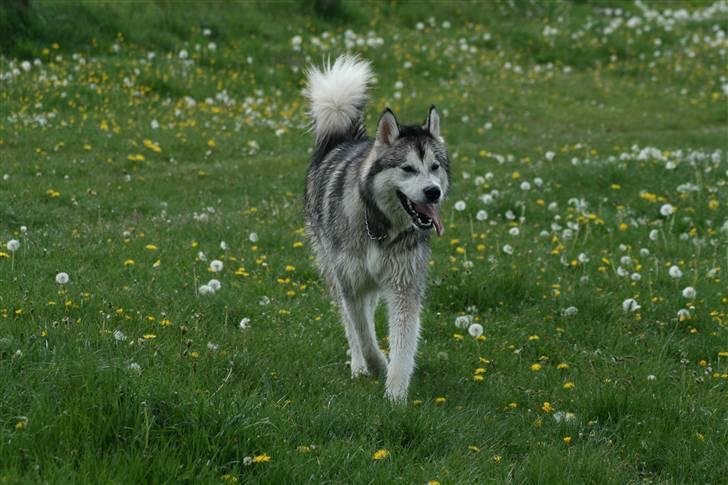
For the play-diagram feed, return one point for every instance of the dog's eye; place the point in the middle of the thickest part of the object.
(435, 166)
(408, 169)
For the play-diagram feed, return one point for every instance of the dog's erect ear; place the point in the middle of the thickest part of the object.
(388, 128)
(432, 123)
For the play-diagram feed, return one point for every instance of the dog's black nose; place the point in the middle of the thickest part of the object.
(432, 193)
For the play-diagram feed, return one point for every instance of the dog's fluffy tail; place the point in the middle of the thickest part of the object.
(338, 96)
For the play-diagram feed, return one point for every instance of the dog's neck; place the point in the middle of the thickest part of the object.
(375, 222)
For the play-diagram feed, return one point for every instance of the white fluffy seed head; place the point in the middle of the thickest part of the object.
(62, 278)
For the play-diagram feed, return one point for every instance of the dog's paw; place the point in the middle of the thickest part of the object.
(359, 370)
(396, 396)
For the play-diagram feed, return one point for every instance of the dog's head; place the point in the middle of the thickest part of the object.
(410, 174)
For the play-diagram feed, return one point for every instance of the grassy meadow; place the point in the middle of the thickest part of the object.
(148, 148)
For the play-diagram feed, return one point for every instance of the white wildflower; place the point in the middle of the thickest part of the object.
(689, 292)
(62, 278)
(216, 265)
(630, 305)
(675, 272)
(475, 330)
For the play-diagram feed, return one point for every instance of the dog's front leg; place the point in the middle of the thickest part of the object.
(404, 333)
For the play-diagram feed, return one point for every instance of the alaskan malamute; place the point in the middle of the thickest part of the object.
(370, 207)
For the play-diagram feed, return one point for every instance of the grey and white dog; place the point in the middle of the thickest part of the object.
(370, 206)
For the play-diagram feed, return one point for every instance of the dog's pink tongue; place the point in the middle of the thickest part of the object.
(431, 211)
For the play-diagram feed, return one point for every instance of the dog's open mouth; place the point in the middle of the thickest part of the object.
(424, 216)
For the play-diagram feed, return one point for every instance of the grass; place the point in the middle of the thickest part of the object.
(127, 170)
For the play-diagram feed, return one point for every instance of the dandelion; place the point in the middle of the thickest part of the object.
(654, 234)
(475, 330)
(214, 284)
(262, 458)
(567, 439)
(570, 311)
(463, 321)
(689, 292)
(205, 290)
(547, 407)
(212, 346)
(62, 278)
(460, 206)
(525, 186)
(135, 367)
(119, 336)
(514, 231)
(666, 210)
(535, 367)
(223, 246)
(253, 237)
(380, 454)
(508, 249)
(247, 461)
(440, 400)
(651, 377)
(481, 215)
(675, 272)
(682, 315)
(244, 323)
(216, 265)
(630, 305)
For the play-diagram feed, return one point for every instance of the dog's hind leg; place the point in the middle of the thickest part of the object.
(361, 312)
(404, 333)
(358, 365)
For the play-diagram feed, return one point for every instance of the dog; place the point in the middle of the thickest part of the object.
(370, 207)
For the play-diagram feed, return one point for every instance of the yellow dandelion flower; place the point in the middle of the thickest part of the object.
(562, 366)
(547, 407)
(440, 400)
(262, 458)
(536, 367)
(129, 262)
(568, 385)
(380, 454)
(149, 336)
(152, 146)
(151, 247)
(567, 439)
(474, 448)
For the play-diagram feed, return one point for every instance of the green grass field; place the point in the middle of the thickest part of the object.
(141, 141)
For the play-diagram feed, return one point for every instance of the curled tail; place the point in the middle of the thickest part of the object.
(338, 96)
